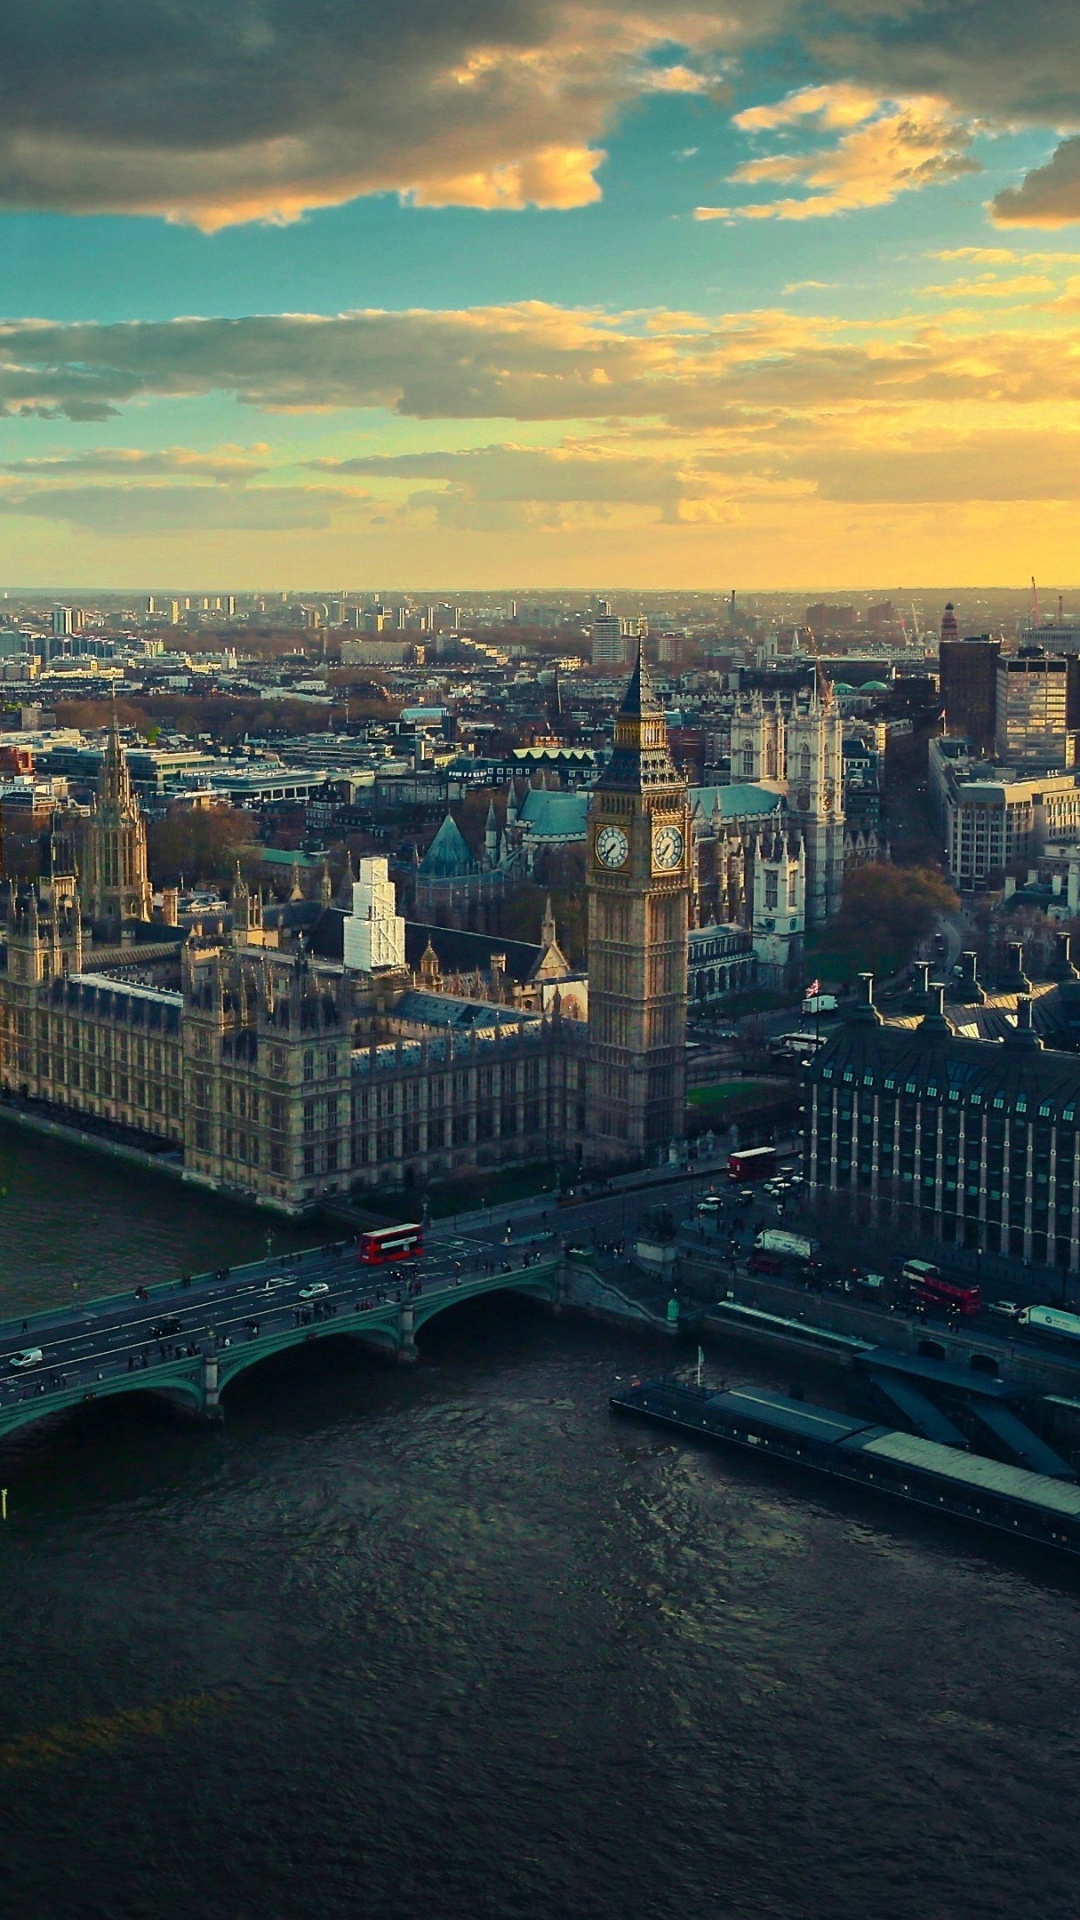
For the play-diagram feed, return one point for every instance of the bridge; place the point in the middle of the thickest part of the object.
(185, 1340)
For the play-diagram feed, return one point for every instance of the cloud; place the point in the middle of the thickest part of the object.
(992, 58)
(528, 477)
(977, 466)
(991, 256)
(262, 109)
(890, 148)
(990, 286)
(528, 362)
(229, 467)
(835, 108)
(126, 512)
(1049, 196)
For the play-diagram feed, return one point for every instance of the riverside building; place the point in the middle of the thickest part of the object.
(294, 1054)
(969, 1141)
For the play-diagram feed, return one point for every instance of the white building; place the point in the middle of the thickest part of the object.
(614, 641)
(374, 933)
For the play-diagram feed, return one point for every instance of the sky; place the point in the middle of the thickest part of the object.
(520, 294)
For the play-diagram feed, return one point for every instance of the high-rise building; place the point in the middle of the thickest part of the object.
(638, 881)
(949, 628)
(612, 640)
(968, 673)
(63, 620)
(1031, 708)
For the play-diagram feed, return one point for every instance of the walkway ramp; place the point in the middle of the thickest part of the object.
(903, 1402)
(1021, 1447)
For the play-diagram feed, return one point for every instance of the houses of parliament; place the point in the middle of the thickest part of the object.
(291, 1053)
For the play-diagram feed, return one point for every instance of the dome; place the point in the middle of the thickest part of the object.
(842, 687)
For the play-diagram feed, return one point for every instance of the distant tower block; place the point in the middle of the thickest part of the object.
(949, 628)
(374, 931)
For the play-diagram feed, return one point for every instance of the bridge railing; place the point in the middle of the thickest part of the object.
(42, 1318)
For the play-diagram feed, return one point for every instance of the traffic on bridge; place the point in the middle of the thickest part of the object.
(188, 1337)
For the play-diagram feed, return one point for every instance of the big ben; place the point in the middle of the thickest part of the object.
(639, 851)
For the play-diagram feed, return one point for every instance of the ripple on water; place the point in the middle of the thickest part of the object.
(450, 1641)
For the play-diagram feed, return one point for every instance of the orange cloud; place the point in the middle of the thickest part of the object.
(906, 146)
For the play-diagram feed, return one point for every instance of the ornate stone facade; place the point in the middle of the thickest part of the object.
(639, 851)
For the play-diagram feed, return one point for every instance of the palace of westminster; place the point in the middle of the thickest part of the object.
(290, 1053)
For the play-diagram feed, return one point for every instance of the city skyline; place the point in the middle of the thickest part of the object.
(547, 294)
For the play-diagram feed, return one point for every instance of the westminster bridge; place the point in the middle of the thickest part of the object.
(185, 1340)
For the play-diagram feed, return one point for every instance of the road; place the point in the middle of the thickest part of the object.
(128, 1334)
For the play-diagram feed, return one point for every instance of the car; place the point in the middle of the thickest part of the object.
(29, 1357)
(166, 1327)
(315, 1291)
(710, 1204)
(870, 1282)
(1007, 1309)
(275, 1286)
(745, 1197)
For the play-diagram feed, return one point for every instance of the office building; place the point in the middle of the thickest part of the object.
(612, 641)
(967, 1141)
(968, 670)
(1031, 705)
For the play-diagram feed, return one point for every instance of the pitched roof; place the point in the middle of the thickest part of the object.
(449, 854)
(937, 1065)
(555, 815)
(639, 696)
(736, 802)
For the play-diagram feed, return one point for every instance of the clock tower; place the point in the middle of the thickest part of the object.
(638, 882)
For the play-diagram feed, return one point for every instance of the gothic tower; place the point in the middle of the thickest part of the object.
(115, 884)
(638, 882)
(815, 791)
(779, 915)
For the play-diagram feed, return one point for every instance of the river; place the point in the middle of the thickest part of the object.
(449, 1641)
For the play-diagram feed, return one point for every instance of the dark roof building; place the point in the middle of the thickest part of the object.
(969, 1141)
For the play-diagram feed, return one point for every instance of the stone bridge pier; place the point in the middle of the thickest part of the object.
(211, 1390)
(406, 1350)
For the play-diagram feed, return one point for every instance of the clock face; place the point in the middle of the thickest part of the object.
(612, 847)
(667, 848)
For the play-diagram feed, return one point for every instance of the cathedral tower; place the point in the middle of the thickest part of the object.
(638, 885)
(815, 789)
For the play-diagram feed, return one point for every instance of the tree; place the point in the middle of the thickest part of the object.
(885, 912)
(197, 844)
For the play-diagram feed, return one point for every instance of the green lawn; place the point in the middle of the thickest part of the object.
(468, 1191)
(726, 1098)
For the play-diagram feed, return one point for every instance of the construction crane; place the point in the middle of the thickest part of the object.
(1036, 611)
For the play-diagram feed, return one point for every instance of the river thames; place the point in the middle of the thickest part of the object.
(448, 1641)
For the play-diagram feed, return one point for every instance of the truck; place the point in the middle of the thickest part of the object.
(1050, 1320)
(774, 1250)
(752, 1163)
(819, 1003)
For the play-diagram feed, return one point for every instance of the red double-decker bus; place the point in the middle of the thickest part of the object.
(390, 1243)
(931, 1288)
